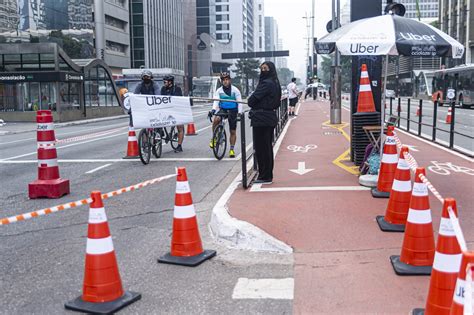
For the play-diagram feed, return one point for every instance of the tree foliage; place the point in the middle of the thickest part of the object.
(246, 70)
(346, 71)
(285, 75)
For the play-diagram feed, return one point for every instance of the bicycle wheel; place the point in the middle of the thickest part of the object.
(157, 144)
(173, 134)
(144, 144)
(220, 146)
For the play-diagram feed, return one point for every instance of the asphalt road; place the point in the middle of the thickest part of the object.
(463, 122)
(43, 258)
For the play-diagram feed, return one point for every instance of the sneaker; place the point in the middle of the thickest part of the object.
(263, 181)
(178, 149)
(231, 153)
(212, 143)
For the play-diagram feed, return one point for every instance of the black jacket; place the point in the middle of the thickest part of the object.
(174, 91)
(263, 103)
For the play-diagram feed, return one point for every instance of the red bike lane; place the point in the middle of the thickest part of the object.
(317, 206)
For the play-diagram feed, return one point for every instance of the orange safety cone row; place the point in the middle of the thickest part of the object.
(397, 209)
(457, 308)
(448, 116)
(365, 102)
(388, 166)
(49, 184)
(132, 145)
(418, 243)
(191, 130)
(102, 291)
(446, 266)
(186, 245)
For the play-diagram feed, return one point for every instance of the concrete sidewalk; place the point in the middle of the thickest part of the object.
(316, 206)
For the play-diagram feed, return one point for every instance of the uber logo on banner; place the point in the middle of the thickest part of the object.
(157, 100)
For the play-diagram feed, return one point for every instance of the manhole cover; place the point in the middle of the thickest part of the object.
(332, 133)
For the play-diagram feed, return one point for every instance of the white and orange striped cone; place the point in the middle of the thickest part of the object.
(102, 291)
(397, 209)
(460, 296)
(418, 246)
(365, 101)
(191, 130)
(449, 116)
(49, 184)
(446, 264)
(132, 145)
(186, 245)
(388, 166)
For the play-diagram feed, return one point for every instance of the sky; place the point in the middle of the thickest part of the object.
(292, 27)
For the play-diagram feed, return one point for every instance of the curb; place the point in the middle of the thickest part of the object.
(239, 234)
(66, 124)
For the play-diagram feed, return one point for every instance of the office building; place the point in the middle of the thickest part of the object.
(427, 10)
(157, 34)
(9, 17)
(271, 35)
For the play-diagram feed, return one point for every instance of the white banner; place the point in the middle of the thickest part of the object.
(156, 111)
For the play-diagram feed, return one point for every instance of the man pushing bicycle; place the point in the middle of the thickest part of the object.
(227, 93)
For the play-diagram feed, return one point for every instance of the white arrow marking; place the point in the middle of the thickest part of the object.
(302, 169)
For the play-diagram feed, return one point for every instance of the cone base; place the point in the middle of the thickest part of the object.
(51, 188)
(403, 269)
(103, 308)
(192, 134)
(379, 194)
(418, 311)
(131, 157)
(190, 261)
(389, 227)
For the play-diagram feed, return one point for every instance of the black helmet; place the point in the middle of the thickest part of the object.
(168, 78)
(225, 75)
(147, 73)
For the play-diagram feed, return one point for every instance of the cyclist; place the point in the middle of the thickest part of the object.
(227, 92)
(147, 86)
(170, 89)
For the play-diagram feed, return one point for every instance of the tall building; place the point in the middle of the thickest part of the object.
(456, 20)
(9, 17)
(157, 34)
(259, 25)
(271, 35)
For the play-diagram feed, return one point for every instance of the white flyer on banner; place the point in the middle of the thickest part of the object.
(156, 111)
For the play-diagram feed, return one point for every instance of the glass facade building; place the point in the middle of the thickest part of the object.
(42, 76)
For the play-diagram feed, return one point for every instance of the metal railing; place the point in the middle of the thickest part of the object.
(422, 118)
(282, 114)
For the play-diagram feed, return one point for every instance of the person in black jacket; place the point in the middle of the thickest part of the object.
(170, 89)
(263, 103)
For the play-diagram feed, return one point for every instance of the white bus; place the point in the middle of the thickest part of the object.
(460, 79)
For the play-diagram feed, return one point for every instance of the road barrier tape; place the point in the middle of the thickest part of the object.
(452, 216)
(37, 213)
(78, 138)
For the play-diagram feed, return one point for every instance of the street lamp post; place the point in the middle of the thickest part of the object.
(335, 112)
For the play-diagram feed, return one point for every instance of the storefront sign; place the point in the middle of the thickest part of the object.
(156, 111)
(45, 76)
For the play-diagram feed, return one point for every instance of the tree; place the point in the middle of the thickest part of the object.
(285, 75)
(346, 71)
(247, 69)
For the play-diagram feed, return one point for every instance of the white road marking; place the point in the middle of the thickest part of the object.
(98, 168)
(278, 289)
(121, 160)
(64, 146)
(301, 170)
(258, 188)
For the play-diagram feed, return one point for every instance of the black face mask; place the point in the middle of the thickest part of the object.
(147, 81)
(264, 74)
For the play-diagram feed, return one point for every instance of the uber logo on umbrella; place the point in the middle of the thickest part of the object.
(362, 49)
(411, 36)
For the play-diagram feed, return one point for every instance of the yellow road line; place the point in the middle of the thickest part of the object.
(354, 170)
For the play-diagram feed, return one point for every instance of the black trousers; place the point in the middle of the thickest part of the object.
(263, 137)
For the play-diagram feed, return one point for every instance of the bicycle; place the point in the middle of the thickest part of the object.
(150, 141)
(219, 136)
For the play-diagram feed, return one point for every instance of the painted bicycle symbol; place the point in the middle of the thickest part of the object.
(305, 149)
(448, 167)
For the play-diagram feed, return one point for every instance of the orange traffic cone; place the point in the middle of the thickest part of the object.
(366, 99)
(388, 165)
(191, 131)
(457, 308)
(186, 246)
(418, 112)
(399, 202)
(446, 265)
(132, 146)
(448, 116)
(418, 242)
(102, 292)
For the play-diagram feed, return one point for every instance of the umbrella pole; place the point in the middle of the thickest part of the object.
(382, 108)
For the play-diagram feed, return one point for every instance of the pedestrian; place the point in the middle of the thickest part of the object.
(292, 96)
(263, 102)
(170, 89)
